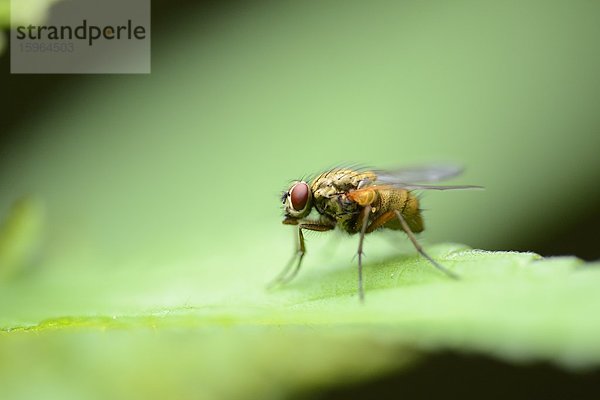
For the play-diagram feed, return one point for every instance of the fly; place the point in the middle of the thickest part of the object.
(361, 201)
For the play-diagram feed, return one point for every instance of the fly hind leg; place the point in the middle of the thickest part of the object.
(415, 243)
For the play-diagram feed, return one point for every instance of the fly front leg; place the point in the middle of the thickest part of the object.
(287, 274)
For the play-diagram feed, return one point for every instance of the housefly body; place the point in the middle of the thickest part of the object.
(361, 201)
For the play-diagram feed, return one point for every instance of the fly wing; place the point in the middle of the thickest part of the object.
(410, 186)
(406, 178)
(424, 173)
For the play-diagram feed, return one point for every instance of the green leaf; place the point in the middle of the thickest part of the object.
(21, 236)
(309, 334)
(32, 11)
(4, 13)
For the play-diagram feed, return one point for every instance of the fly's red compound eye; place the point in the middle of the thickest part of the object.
(299, 196)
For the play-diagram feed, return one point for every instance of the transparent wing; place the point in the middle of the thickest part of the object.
(406, 178)
(410, 186)
(423, 173)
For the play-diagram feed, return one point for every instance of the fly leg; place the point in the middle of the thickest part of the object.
(285, 277)
(381, 221)
(415, 243)
(287, 274)
(364, 221)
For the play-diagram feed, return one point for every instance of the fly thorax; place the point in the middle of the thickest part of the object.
(330, 189)
(336, 205)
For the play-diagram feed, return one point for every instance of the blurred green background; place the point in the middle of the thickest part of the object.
(159, 192)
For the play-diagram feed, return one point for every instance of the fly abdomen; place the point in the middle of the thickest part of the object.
(405, 202)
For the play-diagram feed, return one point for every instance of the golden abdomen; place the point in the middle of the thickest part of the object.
(403, 201)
